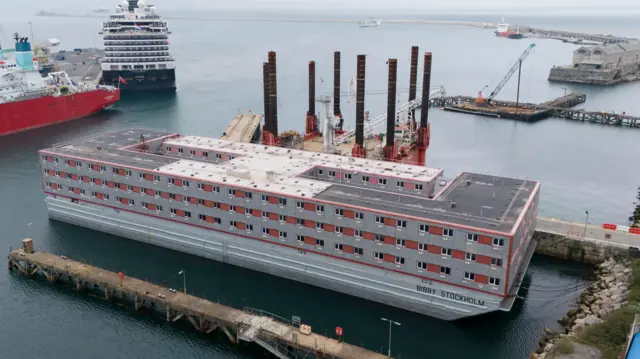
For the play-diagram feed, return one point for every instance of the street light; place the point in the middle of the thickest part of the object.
(565, 90)
(184, 283)
(390, 322)
(586, 219)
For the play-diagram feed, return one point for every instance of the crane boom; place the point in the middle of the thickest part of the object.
(511, 71)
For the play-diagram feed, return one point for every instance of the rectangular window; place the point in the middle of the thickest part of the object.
(265, 198)
(445, 270)
(186, 199)
(379, 219)
(400, 184)
(357, 233)
(423, 247)
(300, 221)
(358, 251)
(359, 215)
(282, 218)
(494, 281)
(248, 195)
(470, 257)
(233, 224)
(332, 173)
(365, 179)
(202, 217)
(249, 227)
(320, 171)
(192, 152)
(187, 214)
(282, 201)
(347, 176)
(399, 261)
(401, 224)
(498, 242)
(339, 229)
(232, 208)
(378, 238)
(447, 232)
(418, 186)
(217, 221)
(218, 156)
(339, 212)
(172, 210)
(200, 186)
(338, 247)
(247, 211)
(231, 192)
(472, 237)
(319, 208)
(300, 239)
(496, 262)
(265, 230)
(400, 242)
(320, 242)
(422, 265)
(382, 181)
(320, 226)
(424, 228)
(469, 276)
(216, 189)
(156, 178)
(299, 205)
(378, 255)
(446, 251)
(265, 214)
(283, 234)
(180, 150)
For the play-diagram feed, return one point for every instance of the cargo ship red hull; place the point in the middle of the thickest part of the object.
(49, 110)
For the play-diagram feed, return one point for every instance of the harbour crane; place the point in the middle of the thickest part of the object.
(480, 101)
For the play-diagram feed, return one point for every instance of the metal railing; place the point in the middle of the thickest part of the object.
(262, 313)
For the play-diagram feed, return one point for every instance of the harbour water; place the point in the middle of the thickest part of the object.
(581, 167)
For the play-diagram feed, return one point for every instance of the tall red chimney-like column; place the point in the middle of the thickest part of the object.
(311, 128)
(358, 149)
(390, 148)
(424, 132)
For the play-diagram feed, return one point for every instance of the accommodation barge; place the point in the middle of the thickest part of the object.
(387, 232)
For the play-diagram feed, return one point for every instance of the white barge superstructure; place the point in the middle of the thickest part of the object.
(372, 229)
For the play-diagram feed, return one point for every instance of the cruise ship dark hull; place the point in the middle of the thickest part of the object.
(151, 80)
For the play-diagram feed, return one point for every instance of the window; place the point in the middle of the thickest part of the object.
(126, 172)
(320, 242)
(265, 230)
(422, 265)
(283, 234)
(446, 251)
(347, 176)
(249, 227)
(494, 281)
(300, 221)
(400, 242)
(400, 184)
(141, 175)
(231, 192)
(265, 214)
(247, 211)
(359, 215)
(265, 198)
(299, 205)
(469, 276)
(187, 214)
(248, 195)
(332, 173)
(320, 171)
(423, 247)
(233, 224)
(339, 212)
(378, 238)
(470, 257)
(319, 208)
(187, 199)
(496, 262)
(172, 210)
(300, 239)
(56, 160)
(218, 156)
(217, 221)
(498, 242)
(339, 229)
(447, 232)
(232, 208)
(202, 217)
(192, 152)
(424, 228)
(158, 207)
(418, 186)
(200, 186)
(401, 224)
(156, 178)
(320, 226)
(338, 247)
(472, 237)
(399, 261)
(282, 201)
(357, 233)
(358, 251)
(216, 189)
(365, 178)
(282, 218)
(378, 255)
(445, 270)
(379, 219)
(172, 195)
(382, 181)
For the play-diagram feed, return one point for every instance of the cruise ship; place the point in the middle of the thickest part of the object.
(387, 232)
(136, 43)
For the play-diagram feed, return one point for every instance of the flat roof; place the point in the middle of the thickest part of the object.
(471, 199)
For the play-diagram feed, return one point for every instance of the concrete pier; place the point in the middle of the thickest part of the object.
(273, 333)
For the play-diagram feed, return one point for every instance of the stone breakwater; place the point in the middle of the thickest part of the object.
(609, 292)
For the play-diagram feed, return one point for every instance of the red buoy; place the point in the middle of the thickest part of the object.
(339, 331)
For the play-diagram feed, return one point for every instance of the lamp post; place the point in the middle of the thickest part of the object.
(586, 219)
(184, 282)
(565, 90)
(390, 322)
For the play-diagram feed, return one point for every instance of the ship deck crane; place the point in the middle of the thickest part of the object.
(487, 101)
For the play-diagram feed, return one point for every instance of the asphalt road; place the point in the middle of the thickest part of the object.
(592, 233)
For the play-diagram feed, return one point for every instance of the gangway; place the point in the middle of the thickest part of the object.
(403, 110)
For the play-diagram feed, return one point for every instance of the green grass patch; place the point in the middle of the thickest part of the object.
(610, 336)
(563, 346)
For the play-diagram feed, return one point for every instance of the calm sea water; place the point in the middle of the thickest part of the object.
(581, 167)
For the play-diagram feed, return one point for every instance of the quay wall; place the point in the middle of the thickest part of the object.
(578, 249)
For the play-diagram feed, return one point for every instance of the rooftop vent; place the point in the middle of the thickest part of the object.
(452, 204)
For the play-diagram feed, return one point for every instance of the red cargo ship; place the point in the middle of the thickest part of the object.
(27, 100)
